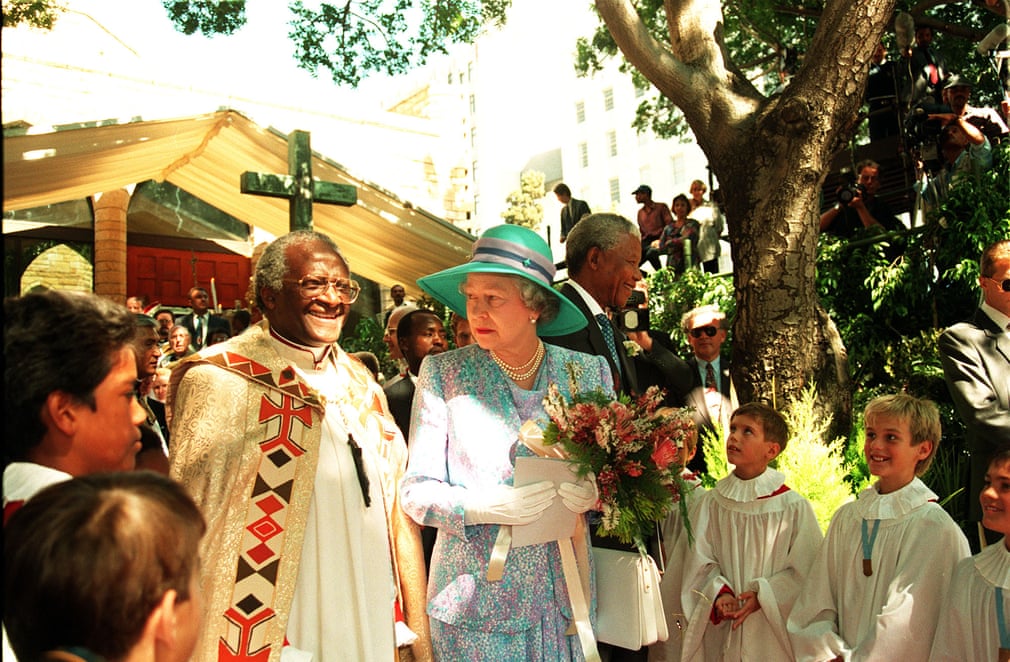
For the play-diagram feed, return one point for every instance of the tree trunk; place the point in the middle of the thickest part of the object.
(770, 156)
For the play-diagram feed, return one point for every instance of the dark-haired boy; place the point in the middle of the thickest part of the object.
(69, 408)
(755, 540)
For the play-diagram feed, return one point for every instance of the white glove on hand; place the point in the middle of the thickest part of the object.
(504, 504)
(581, 496)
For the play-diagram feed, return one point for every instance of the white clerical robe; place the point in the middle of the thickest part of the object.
(675, 541)
(968, 630)
(892, 613)
(345, 554)
(749, 535)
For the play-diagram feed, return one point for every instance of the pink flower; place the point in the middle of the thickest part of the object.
(665, 453)
(633, 468)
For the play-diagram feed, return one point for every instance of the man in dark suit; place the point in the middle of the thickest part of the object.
(976, 366)
(202, 324)
(419, 333)
(712, 395)
(603, 252)
(602, 255)
(573, 209)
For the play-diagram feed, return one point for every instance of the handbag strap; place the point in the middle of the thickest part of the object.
(649, 598)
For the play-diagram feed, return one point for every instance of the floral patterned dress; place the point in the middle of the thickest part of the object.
(464, 431)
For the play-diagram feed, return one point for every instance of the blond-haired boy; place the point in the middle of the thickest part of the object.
(754, 542)
(875, 590)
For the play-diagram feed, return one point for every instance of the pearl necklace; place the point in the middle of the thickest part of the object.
(525, 371)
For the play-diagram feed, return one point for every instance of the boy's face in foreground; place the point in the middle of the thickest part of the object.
(747, 449)
(995, 498)
(890, 454)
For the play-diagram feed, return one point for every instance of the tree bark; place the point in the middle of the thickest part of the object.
(770, 155)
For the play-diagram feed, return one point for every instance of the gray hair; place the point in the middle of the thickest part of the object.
(273, 264)
(712, 310)
(603, 231)
(534, 296)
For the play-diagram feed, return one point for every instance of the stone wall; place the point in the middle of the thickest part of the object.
(59, 268)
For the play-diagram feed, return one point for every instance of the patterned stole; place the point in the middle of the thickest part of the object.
(249, 630)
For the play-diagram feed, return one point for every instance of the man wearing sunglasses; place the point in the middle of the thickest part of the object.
(712, 394)
(976, 366)
(287, 445)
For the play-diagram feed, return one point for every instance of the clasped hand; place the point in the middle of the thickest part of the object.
(738, 607)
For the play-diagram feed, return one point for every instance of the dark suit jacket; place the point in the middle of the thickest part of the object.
(702, 418)
(660, 367)
(214, 323)
(568, 220)
(976, 366)
(400, 396)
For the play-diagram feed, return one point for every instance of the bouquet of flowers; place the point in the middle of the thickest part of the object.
(634, 449)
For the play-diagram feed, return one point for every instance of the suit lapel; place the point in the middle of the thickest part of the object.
(596, 343)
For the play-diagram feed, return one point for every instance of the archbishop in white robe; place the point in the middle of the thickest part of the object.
(749, 535)
(892, 613)
(969, 628)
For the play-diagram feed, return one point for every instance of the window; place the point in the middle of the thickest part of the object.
(608, 99)
(580, 111)
(584, 155)
(615, 190)
(612, 142)
(678, 164)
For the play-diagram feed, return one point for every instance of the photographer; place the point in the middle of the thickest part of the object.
(858, 206)
(963, 149)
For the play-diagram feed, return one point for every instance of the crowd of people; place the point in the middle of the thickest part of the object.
(684, 238)
(296, 521)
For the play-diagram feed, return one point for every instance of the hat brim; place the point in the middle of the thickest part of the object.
(443, 286)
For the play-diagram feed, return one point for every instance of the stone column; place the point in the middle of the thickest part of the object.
(110, 244)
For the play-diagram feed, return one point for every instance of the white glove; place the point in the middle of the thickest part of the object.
(504, 504)
(581, 496)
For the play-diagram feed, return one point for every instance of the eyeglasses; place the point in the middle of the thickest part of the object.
(311, 287)
(1005, 283)
(709, 331)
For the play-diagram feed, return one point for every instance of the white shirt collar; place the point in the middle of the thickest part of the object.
(594, 306)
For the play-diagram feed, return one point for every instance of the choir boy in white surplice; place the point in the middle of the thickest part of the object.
(754, 542)
(877, 586)
(975, 626)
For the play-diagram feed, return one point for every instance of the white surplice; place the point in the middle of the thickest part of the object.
(345, 563)
(749, 535)
(891, 614)
(968, 629)
(675, 539)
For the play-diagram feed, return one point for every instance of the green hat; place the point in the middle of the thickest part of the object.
(507, 249)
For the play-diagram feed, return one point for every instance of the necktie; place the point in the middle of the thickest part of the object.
(608, 336)
(198, 330)
(710, 378)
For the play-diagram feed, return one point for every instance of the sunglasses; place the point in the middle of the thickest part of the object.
(709, 331)
(1005, 283)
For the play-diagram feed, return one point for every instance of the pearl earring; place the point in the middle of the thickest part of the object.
(533, 320)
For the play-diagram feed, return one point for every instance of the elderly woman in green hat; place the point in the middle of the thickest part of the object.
(468, 409)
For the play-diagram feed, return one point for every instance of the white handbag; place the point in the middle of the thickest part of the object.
(629, 610)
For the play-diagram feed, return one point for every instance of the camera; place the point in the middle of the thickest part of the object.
(632, 317)
(922, 135)
(849, 191)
